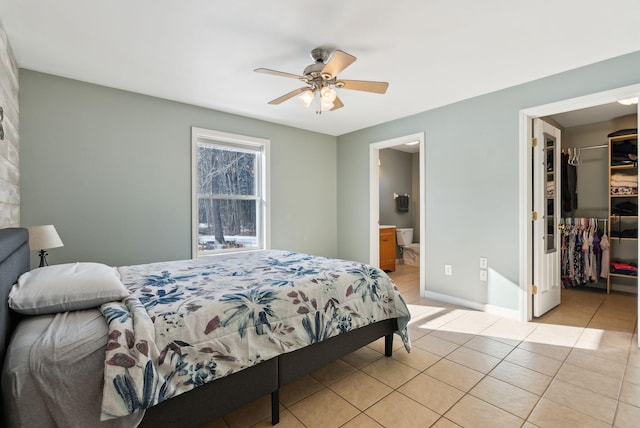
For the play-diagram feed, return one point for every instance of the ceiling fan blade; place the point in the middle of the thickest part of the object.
(291, 94)
(280, 73)
(363, 85)
(338, 62)
(337, 104)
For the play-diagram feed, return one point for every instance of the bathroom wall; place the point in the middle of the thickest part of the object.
(395, 177)
(414, 207)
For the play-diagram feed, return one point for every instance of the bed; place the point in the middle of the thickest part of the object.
(232, 387)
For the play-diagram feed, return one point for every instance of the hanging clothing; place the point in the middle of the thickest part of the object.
(582, 252)
(604, 246)
(569, 184)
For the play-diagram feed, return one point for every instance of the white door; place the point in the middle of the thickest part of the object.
(546, 207)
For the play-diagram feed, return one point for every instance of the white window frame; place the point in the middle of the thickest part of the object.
(234, 141)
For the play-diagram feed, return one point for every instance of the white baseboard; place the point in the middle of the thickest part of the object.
(491, 309)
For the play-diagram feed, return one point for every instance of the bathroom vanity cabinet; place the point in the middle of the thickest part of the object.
(388, 248)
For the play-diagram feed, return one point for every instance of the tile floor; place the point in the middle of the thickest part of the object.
(578, 366)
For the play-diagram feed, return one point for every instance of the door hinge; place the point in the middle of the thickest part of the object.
(534, 216)
(534, 289)
(534, 142)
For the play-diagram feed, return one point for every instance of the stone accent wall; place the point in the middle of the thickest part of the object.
(9, 146)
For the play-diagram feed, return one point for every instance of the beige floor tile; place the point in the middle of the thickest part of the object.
(473, 322)
(360, 389)
(606, 352)
(509, 331)
(630, 394)
(417, 358)
(632, 375)
(556, 335)
(361, 421)
(379, 345)
(399, 411)
(313, 410)
(566, 316)
(594, 338)
(627, 416)
(298, 390)
(454, 374)
(432, 393)
(552, 351)
(390, 372)
(591, 360)
(548, 414)
(471, 411)
(362, 357)
(587, 379)
(453, 336)
(473, 359)
(333, 372)
(435, 345)
(521, 377)
(489, 346)
(445, 423)
(287, 420)
(417, 333)
(582, 400)
(438, 317)
(608, 323)
(533, 361)
(505, 396)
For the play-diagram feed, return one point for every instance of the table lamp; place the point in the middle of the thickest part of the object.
(42, 238)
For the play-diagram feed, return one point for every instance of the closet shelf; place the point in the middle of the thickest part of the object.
(620, 275)
(619, 167)
(623, 146)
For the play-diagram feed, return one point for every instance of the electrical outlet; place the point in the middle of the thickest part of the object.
(483, 275)
(448, 270)
(484, 263)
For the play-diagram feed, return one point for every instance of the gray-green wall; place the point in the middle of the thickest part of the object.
(111, 170)
(472, 175)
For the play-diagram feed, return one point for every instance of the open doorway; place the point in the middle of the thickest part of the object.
(410, 143)
(578, 118)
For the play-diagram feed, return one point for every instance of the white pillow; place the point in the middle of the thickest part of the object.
(66, 287)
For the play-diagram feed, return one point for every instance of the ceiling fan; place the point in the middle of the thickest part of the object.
(321, 79)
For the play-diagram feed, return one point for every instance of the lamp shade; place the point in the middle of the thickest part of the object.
(44, 237)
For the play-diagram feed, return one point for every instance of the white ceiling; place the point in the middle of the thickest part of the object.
(203, 52)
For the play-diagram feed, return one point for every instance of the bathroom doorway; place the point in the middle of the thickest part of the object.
(413, 148)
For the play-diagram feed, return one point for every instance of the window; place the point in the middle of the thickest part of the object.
(229, 187)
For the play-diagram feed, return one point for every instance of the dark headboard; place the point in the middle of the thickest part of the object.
(14, 261)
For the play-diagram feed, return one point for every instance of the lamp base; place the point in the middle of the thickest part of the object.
(43, 258)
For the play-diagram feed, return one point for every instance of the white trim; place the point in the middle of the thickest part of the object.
(525, 117)
(374, 203)
(495, 310)
(198, 134)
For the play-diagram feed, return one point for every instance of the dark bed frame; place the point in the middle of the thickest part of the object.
(215, 399)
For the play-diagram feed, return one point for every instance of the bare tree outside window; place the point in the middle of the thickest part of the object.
(228, 197)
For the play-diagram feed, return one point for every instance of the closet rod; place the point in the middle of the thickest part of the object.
(601, 146)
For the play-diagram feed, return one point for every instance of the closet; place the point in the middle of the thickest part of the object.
(599, 203)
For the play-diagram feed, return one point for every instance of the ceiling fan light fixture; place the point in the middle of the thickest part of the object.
(307, 98)
(328, 94)
(326, 106)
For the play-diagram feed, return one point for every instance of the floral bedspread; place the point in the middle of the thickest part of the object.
(190, 322)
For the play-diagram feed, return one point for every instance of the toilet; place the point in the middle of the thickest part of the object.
(410, 250)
